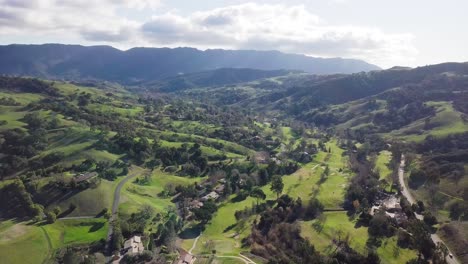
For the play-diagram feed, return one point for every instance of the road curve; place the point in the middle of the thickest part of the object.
(405, 192)
(115, 208)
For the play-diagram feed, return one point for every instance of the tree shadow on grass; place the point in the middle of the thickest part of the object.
(191, 232)
(95, 227)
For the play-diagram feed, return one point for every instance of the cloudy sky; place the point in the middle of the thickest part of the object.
(386, 33)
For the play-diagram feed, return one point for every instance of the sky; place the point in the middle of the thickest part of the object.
(386, 33)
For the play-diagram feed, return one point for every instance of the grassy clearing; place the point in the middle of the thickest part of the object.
(22, 243)
(446, 121)
(390, 253)
(306, 183)
(220, 230)
(82, 231)
(336, 224)
(382, 162)
(90, 201)
(135, 195)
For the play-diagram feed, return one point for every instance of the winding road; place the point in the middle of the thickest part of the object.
(405, 192)
(115, 208)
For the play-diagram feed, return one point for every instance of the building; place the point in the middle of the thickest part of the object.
(219, 189)
(134, 245)
(85, 176)
(212, 195)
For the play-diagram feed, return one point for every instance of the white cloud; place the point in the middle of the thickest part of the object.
(246, 26)
(279, 27)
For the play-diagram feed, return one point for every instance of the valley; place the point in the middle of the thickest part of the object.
(236, 166)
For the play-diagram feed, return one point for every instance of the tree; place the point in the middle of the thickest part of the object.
(429, 219)
(51, 217)
(277, 185)
(57, 210)
(258, 194)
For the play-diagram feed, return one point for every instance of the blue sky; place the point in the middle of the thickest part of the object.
(386, 33)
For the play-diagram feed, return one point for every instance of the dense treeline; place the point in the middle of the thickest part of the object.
(27, 85)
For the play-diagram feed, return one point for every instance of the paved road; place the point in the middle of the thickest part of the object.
(115, 208)
(404, 190)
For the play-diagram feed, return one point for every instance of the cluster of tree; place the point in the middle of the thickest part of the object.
(18, 146)
(166, 233)
(28, 85)
(363, 188)
(277, 236)
(8, 101)
(137, 222)
(194, 163)
(18, 202)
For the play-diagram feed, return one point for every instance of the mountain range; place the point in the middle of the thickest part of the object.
(57, 61)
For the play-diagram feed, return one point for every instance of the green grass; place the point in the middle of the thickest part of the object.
(22, 243)
(382, 162)
(303, 184)
(135, 195)
(336, 224)
(217, 230)
(76, 231)
(91, 201)
(390, 253)
(446, 121)
(22, 98)
(9, 114)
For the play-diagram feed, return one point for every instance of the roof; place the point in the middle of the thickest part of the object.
(211, 195)
(85, 176)
(134, 245)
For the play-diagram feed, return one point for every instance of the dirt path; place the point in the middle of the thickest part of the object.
(246, 260)
(405, 192)
(49, 246)
(194, 244)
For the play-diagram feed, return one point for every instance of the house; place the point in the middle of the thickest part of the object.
(195, 204)
(134, 245)
(392, 207)
(85, 176)
(185, 257)
(212, 195)
(219, 189)
(262, 157)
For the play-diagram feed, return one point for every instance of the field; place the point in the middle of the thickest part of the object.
(446, 121)
(82, 231)
(390, 253)
(89, 202)
(335, 224)
(134, 195)
(17, 238)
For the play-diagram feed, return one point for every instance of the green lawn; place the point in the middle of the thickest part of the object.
(91, 201)
(382, 162)
(218, 230)
(135, 195)
(390, 253)
(79, 231)
(21, 243)
(336, 224)
(446, 121)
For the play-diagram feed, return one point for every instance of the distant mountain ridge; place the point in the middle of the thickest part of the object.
(146, 64)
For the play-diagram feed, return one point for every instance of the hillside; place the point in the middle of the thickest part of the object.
(235, 164)
(146, 64)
